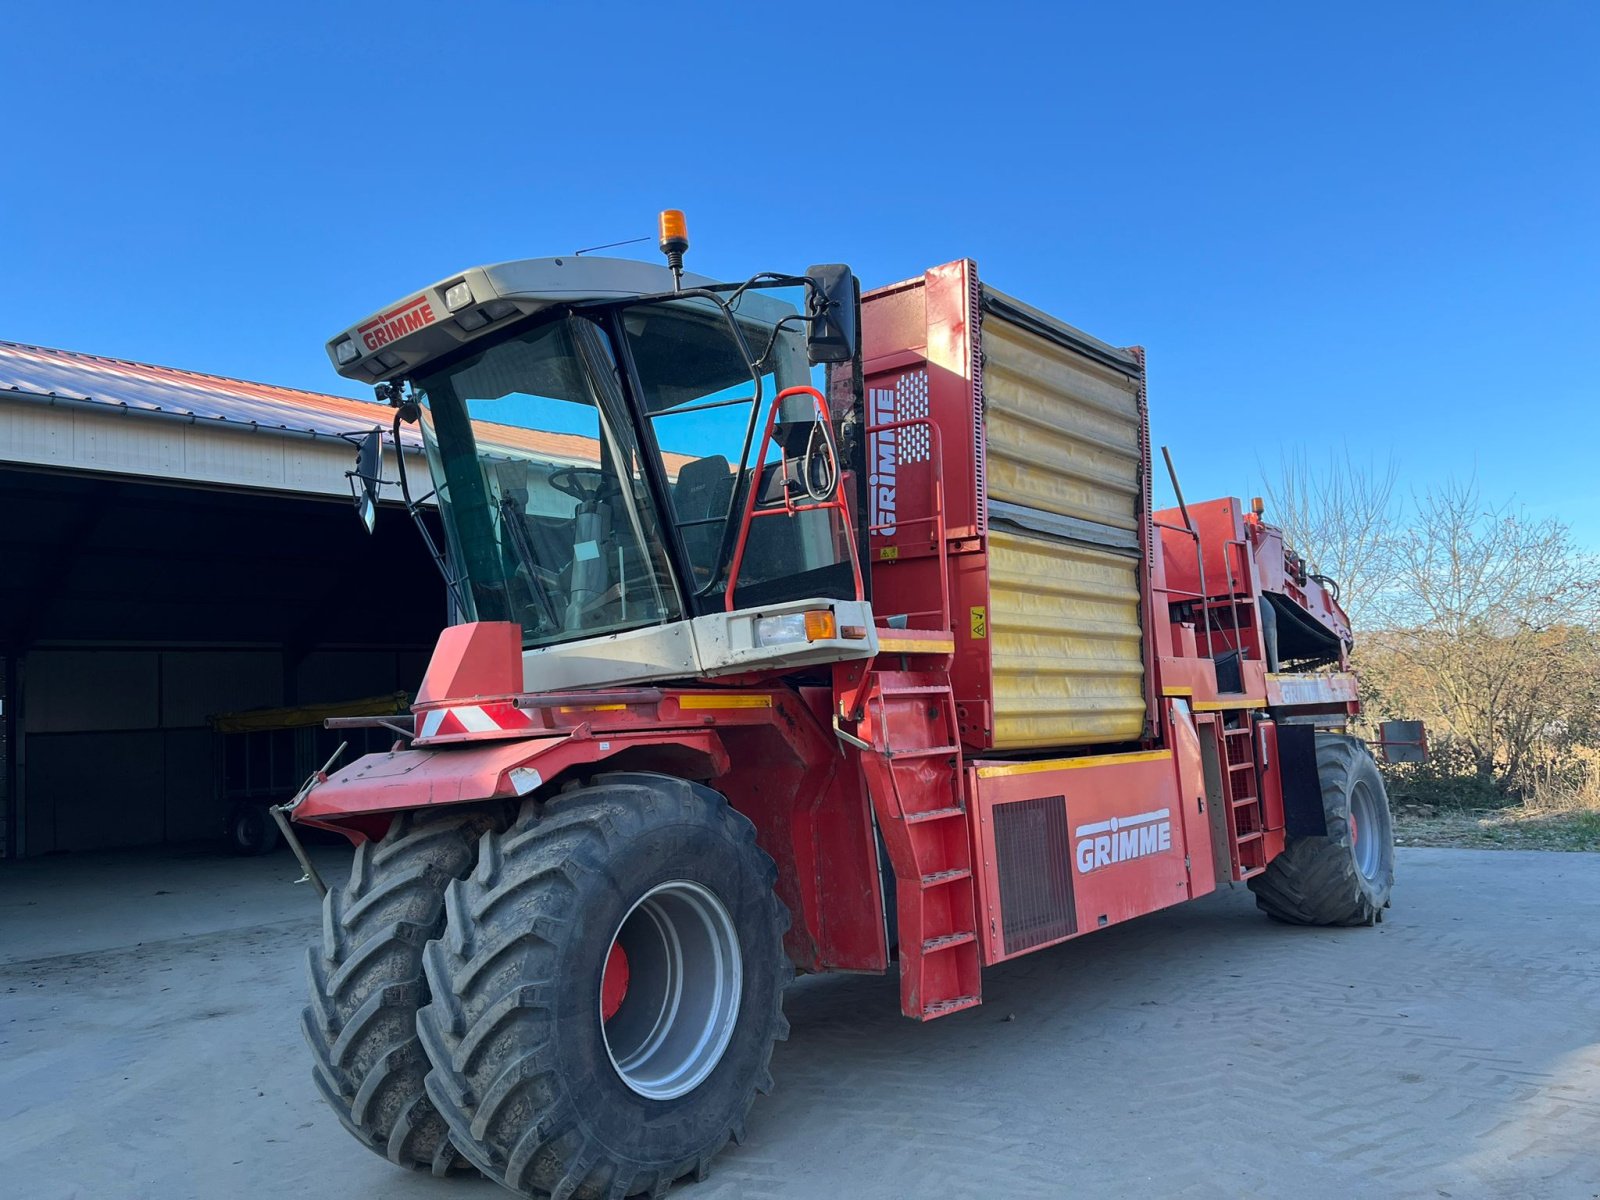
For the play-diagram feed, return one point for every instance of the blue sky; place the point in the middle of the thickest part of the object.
(1373, 225)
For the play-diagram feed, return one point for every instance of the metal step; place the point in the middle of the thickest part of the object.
(948, 942)
(941, 877)
(925, 752)
(933, 814)
(955, 1004)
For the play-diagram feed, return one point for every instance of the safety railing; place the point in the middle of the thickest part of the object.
(788, 508)
(936, 518)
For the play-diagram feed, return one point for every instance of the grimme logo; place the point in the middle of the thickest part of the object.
(408, 318)
(1105, 842)
(880, 402)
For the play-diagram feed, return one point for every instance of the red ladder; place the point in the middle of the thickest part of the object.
(913, 768)
(1245, 825)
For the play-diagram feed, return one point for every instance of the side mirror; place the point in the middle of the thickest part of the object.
(831, 302)
(364, 480)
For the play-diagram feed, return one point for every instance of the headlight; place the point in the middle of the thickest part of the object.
(346, 352)
(815, 626)
(457, 296)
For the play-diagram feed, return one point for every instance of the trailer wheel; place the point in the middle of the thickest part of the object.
(252, 831)
(608, 990)
(367, 984)
(1344, 878)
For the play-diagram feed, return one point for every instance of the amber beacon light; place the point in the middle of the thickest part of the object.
(674, 241)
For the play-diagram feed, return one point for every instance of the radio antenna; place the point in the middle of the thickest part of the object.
(609, 246)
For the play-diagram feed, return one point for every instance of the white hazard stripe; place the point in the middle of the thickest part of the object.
(474, 720)
(1117, 823)
(431, 722)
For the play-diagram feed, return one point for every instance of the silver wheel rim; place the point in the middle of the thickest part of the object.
(1365, 842)
(685, 980)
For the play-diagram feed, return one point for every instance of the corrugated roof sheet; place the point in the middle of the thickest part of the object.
(143, 387)
(41, 371)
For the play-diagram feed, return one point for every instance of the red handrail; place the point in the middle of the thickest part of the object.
(789, 507)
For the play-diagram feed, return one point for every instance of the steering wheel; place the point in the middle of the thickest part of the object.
(583, 484)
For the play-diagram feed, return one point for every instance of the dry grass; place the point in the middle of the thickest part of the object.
(1557, 817)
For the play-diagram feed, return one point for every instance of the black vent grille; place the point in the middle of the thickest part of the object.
(1033, 858)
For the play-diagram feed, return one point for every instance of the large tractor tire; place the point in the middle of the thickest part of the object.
(1344, 878)
(607, 991)
(367, 984)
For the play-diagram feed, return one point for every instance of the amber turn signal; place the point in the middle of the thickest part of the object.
(821, 625)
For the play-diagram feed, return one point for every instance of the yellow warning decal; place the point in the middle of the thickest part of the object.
(733, 700)
(980, 621)
(1227, 705)
(889, 553)
(889, 644)
(572, 708)
(999, 770)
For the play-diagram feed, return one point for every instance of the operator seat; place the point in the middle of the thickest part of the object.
(704, 489)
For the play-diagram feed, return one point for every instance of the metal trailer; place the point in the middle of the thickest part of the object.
(832, 635)
(263, 755)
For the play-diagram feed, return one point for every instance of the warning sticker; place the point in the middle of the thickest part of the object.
(889, 553)
(980, 622)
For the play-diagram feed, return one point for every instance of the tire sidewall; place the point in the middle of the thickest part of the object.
(1363, 770)
(668, 1131)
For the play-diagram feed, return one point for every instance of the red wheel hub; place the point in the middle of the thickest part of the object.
(614, 982)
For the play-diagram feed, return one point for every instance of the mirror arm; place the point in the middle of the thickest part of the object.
(414, 507)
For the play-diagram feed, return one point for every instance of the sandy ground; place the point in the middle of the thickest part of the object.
(149, 1048)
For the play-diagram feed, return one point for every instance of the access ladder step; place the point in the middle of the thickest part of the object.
(1242, 801)
(920, 752)
(947, 942)
(916, 689)
(942, 877)
(1247, 837)
(933, 814)
(941, 1008)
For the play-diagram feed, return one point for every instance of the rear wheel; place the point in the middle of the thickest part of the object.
(251, 830)
(607, 991)
(1344, 878)
(367, 984)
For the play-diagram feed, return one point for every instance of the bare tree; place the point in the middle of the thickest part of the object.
(1344, 518)
(1494, 632)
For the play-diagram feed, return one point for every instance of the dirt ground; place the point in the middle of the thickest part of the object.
(148, 1048)
(1517, 828)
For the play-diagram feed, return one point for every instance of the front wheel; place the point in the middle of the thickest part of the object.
(607, 991)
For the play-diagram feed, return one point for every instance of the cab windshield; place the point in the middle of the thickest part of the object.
(540, 483)
(550, 448)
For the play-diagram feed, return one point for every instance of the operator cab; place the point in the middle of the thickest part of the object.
(595, 428)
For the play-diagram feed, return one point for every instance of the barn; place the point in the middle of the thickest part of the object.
(177, 549)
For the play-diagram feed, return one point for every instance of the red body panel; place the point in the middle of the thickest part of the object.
(1124, 852)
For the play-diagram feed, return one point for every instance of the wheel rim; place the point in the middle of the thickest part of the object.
(1365, 842)
(684, 981)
